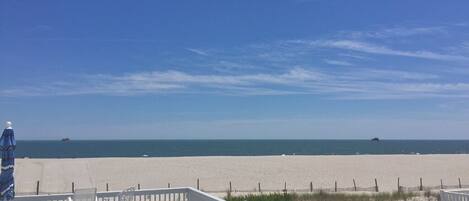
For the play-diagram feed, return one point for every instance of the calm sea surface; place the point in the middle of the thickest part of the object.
(166, 148)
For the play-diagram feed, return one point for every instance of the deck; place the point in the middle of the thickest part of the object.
(168, 194)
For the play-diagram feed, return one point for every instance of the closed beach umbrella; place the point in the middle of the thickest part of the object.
(7, 146)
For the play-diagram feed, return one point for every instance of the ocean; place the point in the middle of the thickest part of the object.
(175, 148)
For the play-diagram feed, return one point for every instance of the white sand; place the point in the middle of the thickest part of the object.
(56, 175)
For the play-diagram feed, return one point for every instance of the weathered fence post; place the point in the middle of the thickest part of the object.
(231, 190)
(335, 186)
(459, 180)
(37, 188)
(73, 187)
(310, 186)
(285, 188)
(376, 185)
(398, 185)
(259, 186)
(198, 184)
(354, 185)
(441, 183)
(107, 186)
(421, 184)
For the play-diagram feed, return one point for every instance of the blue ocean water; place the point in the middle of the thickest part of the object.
(167, 148)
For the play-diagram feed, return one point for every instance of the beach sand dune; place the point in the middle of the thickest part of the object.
(215, 173)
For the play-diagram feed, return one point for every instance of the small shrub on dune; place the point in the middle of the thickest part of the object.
(322, 196)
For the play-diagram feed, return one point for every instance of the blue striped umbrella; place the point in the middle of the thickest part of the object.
(7, 146)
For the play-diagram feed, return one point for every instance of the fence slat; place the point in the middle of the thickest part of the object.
(37, 188)
(376, 185)
(354, 185)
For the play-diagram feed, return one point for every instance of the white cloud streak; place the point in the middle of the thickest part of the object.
(370, 48)
(358, 84)
(338, 62)
(197, 51)
(283, 68)
(396, 32)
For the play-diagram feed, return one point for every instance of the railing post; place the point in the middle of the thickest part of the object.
(198, 184)
(310, 186)
(169, 185)
(441, 183)
(231, 190)
(459, 180)
(259, 186)
(73, 187)
(335, 186)
(37, 188)
(138, 186)
(107, 187)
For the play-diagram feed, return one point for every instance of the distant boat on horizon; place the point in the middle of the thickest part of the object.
(65, 139)
(375, 139)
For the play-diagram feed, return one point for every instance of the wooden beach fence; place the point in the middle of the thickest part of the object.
(310, 187)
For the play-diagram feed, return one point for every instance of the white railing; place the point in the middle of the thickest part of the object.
(169, 194)
(454, 195)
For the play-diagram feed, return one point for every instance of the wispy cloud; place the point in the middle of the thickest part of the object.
(354, 56)
(357, 84)
(371, 48)
(197, 51)
(99, 40)
(338, 62)
(396, 32)
(377, 74)
(288, 67)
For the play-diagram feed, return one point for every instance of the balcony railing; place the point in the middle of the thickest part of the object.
(454, 195)
(169, 194)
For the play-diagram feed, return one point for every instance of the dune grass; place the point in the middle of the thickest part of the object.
(322, 196)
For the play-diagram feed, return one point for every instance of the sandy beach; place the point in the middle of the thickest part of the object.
(244, 172)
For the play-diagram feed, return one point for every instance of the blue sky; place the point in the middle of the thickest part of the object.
(299, 69)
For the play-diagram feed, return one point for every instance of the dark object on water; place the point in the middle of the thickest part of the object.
(375, 139)
(65, 139)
